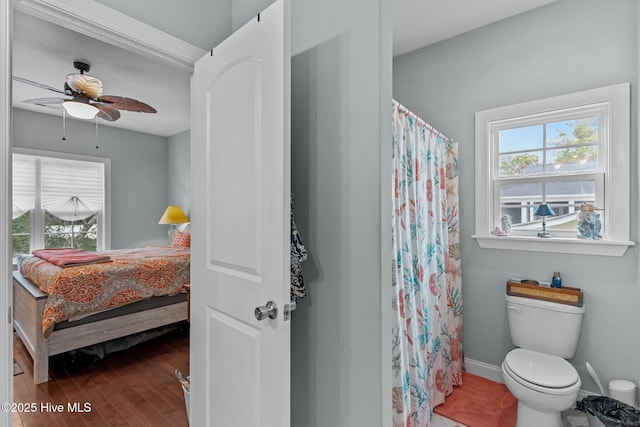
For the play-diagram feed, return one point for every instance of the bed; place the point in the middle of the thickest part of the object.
(58, 309)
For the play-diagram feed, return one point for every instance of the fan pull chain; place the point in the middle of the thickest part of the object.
(64, 124)
(97, 147)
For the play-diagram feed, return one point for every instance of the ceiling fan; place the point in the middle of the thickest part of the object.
(84, 98)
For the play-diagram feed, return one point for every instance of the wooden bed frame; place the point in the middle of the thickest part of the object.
(28, 306)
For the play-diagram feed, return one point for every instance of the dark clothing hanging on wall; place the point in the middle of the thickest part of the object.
(298, 255)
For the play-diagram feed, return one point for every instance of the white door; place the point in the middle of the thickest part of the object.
(240, 152)
(6, 284)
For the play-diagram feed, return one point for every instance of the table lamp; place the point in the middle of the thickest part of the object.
(173, 215)
(544, 210)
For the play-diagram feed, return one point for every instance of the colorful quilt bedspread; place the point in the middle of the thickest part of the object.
(132, 275)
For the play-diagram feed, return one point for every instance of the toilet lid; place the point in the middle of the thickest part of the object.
(542, 369)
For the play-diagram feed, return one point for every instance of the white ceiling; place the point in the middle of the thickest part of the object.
(419, 23)
(45, 52)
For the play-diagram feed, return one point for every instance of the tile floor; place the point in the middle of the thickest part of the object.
(440, 421)
(570, 418)
(574, 418)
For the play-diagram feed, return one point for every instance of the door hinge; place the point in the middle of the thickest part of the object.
(10, 316)
(288, 308)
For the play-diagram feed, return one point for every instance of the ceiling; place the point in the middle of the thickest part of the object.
(45, 52)
(419, 23)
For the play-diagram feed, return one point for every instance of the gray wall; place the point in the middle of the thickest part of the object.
(179, 170)
(567, 46)
(242, 11)
(203, 23)
(341, 86)
(138, 170)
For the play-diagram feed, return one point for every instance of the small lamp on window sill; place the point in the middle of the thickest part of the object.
(172, 216)
(544, 210)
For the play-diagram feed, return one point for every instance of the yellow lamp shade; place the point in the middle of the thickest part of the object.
(174, 215)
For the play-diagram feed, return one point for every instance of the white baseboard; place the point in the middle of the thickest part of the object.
(494, 373)
(484, 370)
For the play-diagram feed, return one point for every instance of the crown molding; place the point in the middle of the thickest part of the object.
(103, 23)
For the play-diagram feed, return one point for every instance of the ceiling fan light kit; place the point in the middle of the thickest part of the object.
(80, 110)
(86, 100)
(86, 84)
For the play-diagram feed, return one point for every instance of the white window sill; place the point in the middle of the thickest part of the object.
(554, 244)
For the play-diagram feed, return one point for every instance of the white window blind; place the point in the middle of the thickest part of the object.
(24, 184)
(72, 190)
(59, 192)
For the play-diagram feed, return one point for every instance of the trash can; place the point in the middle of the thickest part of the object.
(604, 411)
(187, 393)
(623, 390)
(185, 382)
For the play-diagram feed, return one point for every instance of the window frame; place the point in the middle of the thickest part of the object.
(37, 215)
(613, 168)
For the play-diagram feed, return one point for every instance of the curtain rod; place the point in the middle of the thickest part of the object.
(407, 112)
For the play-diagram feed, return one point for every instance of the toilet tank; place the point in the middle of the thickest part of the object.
(547, 327)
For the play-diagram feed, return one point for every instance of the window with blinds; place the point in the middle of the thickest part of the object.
(58, 202)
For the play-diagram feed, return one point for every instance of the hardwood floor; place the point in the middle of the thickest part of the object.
(134, 387)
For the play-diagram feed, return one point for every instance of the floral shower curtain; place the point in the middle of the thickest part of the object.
(427, 302)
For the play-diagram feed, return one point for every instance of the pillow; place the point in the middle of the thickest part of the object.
(181, 240)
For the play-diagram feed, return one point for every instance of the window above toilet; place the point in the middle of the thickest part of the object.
(563, 151)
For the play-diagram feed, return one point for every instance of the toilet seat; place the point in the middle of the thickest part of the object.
(541, 372)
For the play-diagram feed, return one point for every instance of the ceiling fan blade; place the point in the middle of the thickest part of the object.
(40, 85)
(45, 102)
(127, 104)
(107, 112)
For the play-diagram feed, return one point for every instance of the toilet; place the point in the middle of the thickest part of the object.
(536, 373)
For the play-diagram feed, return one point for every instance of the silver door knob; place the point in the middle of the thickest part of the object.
(270, 310)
